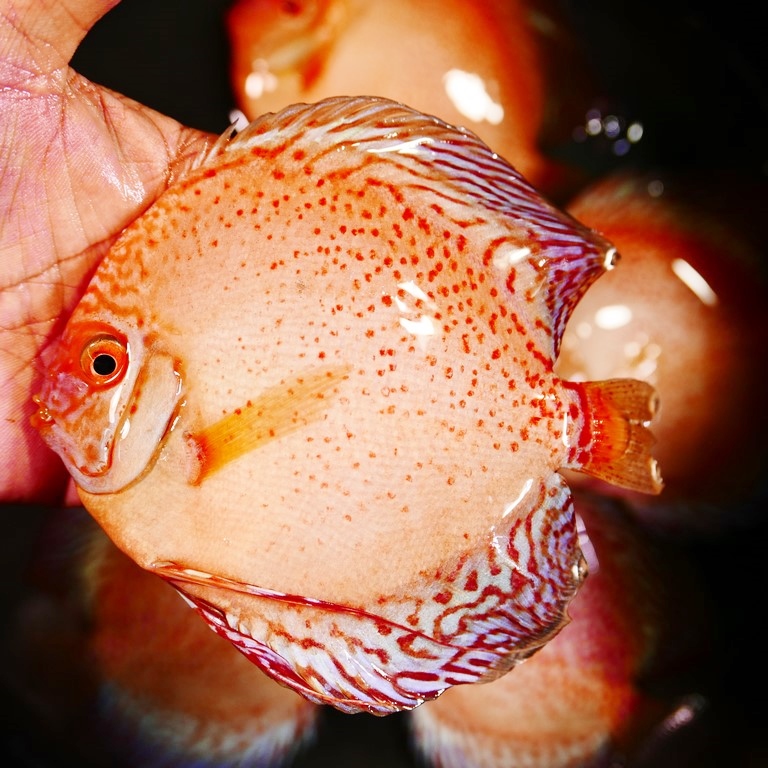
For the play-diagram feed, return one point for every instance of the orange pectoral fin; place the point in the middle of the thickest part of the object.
(615, 441)
(278, 411)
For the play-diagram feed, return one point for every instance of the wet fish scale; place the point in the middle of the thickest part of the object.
(336, 399)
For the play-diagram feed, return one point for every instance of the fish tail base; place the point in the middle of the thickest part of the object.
(615, 441)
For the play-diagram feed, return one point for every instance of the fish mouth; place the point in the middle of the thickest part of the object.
(42, 418)
(82, 467)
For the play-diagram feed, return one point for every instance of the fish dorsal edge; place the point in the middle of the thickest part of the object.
(566, 255)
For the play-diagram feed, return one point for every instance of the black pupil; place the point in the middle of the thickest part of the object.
(104, 364)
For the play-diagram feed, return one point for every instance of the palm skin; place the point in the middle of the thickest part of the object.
(77, 163)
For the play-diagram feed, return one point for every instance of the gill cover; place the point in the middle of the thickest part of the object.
(107, 405)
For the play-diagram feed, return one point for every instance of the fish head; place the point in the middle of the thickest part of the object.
(108, 398)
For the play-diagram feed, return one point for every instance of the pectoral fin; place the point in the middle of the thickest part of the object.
(275, 413)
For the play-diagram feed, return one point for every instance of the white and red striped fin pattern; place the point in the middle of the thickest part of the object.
(471, 621)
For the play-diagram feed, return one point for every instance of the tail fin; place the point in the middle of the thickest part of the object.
(615, 443)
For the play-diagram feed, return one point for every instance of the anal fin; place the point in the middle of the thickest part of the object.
(472, 619)
(615, 440)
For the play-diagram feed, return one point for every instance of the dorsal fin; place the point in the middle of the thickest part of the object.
(455, 169)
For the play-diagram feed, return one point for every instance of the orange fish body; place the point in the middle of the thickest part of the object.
(312, 387)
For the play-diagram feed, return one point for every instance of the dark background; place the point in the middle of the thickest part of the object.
(695, 76)
(692, 72)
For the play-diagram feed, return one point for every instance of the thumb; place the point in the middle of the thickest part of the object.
(38, 37)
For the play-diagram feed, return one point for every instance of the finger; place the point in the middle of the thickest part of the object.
(41, 36)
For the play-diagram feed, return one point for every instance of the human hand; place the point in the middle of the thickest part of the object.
(78, 162)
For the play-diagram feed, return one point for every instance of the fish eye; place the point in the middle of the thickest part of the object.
(103, 359)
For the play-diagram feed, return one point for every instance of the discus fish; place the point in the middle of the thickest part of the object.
(312, 386)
